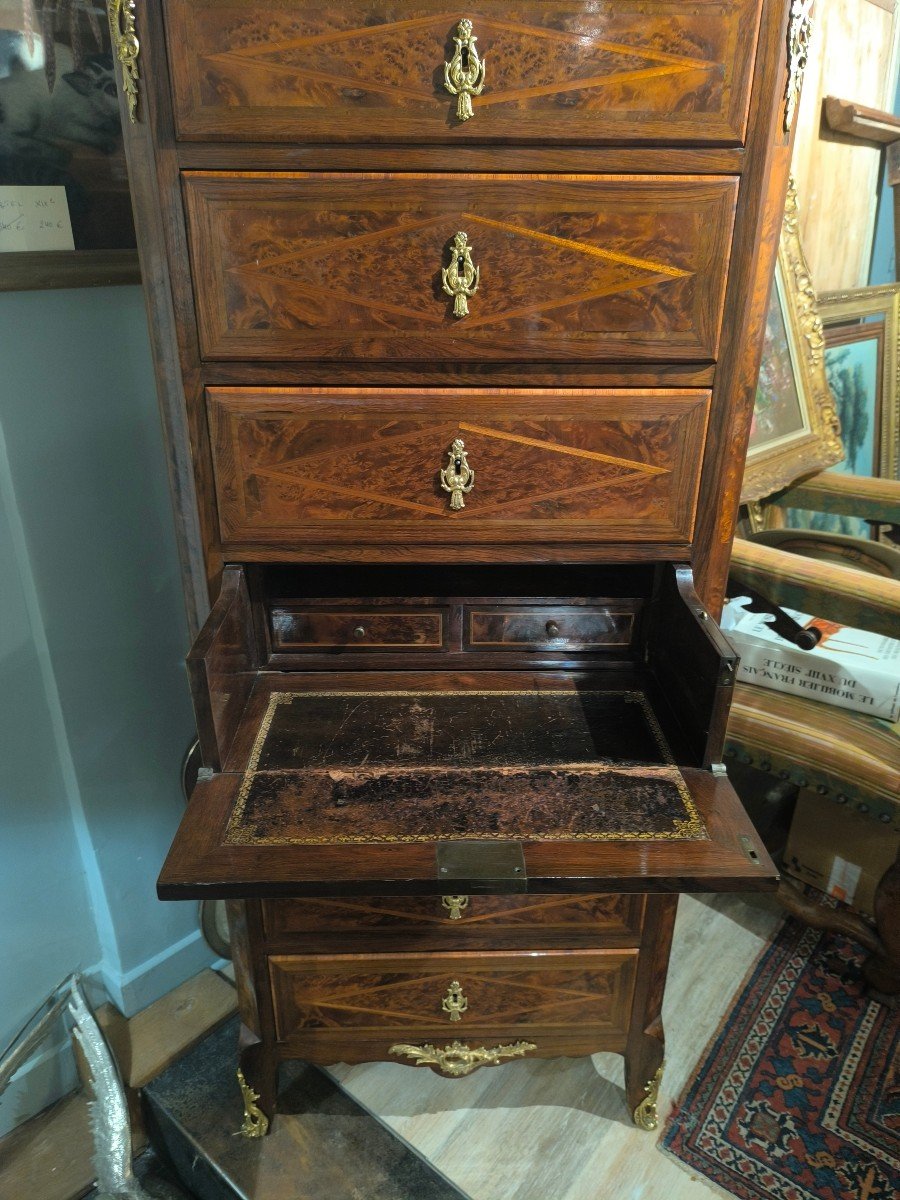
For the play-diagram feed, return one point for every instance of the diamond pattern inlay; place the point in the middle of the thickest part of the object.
(552, 998)
(396, 60)
(510, 251)
(358, 473)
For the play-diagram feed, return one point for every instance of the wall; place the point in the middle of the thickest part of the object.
(46, 928)
(884, 265)
(853, 55)
(94, 699)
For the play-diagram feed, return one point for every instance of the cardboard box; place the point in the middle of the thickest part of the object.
(838, 851)
(849, 668)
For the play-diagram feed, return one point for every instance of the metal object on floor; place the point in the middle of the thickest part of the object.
(110, 1122)
(322, 1144)
(256, 1123)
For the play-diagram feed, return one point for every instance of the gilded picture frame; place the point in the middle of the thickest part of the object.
(795, 429)
(60, 128)
(875, 305)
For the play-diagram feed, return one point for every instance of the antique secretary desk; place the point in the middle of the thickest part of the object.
(456, 317)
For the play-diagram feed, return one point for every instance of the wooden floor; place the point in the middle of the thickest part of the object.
(558, 1129)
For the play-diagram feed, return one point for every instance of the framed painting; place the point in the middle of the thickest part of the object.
(65, 207)
(861, 362)
(795, 429)
(856, 317)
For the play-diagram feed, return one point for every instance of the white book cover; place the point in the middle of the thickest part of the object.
(849, 668)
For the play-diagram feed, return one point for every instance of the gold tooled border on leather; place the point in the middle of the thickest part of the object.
(687, 828)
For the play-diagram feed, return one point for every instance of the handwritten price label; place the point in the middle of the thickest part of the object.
(34, 218)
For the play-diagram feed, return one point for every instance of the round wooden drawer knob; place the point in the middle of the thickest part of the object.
(552, 629)
(359, 632)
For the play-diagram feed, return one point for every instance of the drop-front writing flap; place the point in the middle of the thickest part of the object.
(351, 788)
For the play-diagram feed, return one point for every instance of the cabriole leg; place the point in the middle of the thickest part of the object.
(258, 1080)
(645, 1048)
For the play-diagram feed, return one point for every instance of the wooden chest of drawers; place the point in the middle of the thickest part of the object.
(456, 321)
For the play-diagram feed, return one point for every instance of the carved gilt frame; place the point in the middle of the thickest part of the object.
(772, 467)
(856, 304)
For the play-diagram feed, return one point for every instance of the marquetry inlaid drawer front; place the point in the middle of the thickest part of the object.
(293, 70)
(299, 266)
(462, 921)
(452, 993)
(314, 630)
(544, 628)
(372, 466)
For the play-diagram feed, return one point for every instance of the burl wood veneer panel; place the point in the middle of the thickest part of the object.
(306, 465)
(331, 266)
(404, 992)
(589, 72)
(546, 628)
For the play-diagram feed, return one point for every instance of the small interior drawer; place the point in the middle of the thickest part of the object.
(545, 628)
(358, 629)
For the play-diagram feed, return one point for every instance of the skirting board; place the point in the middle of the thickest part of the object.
(155, 977)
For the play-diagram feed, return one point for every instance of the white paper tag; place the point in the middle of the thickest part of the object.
(843, 880)
(34, 218)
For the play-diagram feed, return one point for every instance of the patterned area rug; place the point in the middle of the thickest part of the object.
(798, 1095)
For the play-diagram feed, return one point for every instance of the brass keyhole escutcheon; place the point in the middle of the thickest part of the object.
(455, 1002)
(461, 278)
(457, 478)
(464, 73)
(456, 906)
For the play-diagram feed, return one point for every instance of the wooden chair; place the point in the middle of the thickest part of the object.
(846, 757)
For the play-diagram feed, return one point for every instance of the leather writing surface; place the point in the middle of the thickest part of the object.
(480, 729)
(405, 767)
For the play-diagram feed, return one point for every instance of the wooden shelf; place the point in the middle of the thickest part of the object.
(855, 120)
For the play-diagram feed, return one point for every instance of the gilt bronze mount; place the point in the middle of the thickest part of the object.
(256, 1123)
(458, 1059)
(464, 73)
(645, 1115)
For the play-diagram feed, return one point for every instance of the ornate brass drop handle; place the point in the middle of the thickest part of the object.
(457, 478)
(456, 906)
(455, 1003)
(127, 47)
(459, 1059)
(461, 278)
(464, 73)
